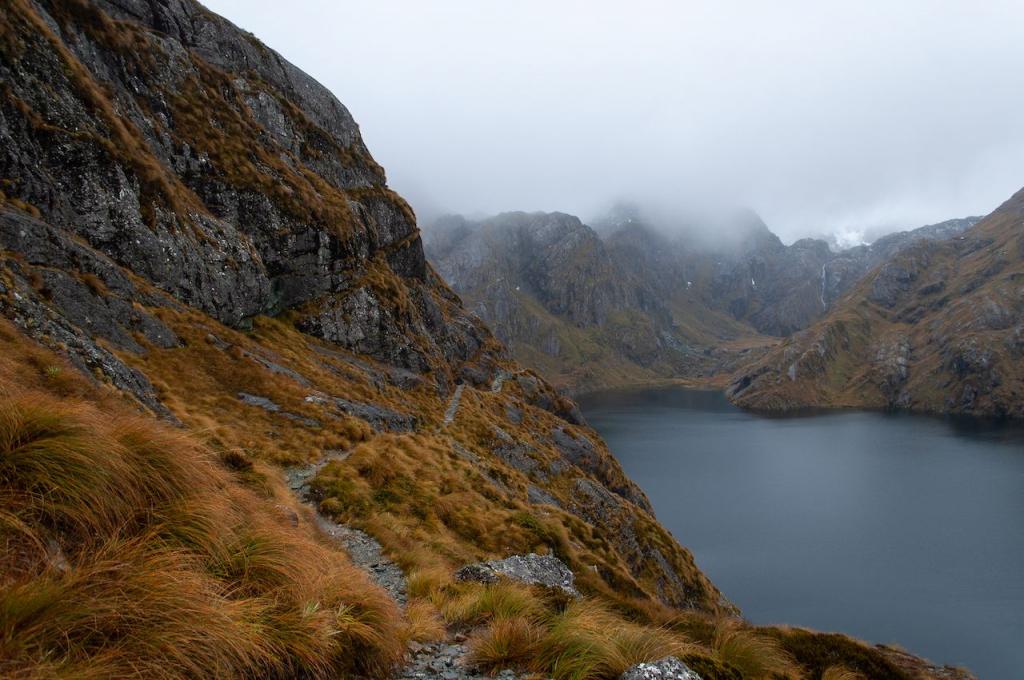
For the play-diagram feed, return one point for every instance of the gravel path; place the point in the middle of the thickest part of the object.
(367, 554)
(363, 549)
(443, 660)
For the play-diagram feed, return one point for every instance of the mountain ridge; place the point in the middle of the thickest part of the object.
(661, 307)
(934, 328)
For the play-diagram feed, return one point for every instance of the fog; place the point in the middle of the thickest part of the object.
(841, 118)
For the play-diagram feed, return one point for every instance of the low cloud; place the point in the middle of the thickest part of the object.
(822, 117)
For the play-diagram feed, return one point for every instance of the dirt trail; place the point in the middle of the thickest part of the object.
(444, 660)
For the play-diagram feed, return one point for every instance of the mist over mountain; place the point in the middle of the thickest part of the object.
(633, 297)
(820, 118)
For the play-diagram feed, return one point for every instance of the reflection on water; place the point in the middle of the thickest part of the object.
(889, 527)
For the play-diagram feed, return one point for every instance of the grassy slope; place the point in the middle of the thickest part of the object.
(432, 509)
(129, 550)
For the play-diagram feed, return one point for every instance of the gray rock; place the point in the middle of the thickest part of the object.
(538, 496)
(669, 668)
(264, 403)
(233, 245)
(532, 569)
(268, 405)
(379, 417)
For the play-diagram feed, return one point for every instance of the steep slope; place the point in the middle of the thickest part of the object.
(170, 185)
(937, 328)
(130, 551)
(584, 312)
(849, 266)
(745, 271)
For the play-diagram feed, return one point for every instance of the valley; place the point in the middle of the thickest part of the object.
(626, 302)
(257, 421)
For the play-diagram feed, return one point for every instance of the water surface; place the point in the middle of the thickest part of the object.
(892, 528)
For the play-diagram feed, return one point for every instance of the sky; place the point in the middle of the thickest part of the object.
(842, 118)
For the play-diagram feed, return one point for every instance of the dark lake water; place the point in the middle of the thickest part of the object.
(892, 528)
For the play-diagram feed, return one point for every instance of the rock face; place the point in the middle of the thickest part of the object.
(193, 221)
(571, 304)
(669, 668)
(534, 570)
(752, 275)
(122, 125)
(933, 328)
(626, 303)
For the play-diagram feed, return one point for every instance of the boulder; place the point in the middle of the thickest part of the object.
(669, 668)
(532, 569)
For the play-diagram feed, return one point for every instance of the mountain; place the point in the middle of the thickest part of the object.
(247, 431)
(584, 311)
(937, 327)
(848, 266)
(623, 302)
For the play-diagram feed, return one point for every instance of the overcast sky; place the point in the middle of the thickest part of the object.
(821, 116)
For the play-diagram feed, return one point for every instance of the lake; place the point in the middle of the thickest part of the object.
(889, 527)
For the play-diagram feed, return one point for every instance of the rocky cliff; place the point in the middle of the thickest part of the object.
(747, 272)
(937, 327)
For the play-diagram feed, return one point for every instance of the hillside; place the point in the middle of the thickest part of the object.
(247, 431)
(936, 328)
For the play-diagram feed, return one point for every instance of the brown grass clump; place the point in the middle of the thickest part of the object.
(427, 582)
(125, 551)
(840, 673)
(524, 629)
(477, 603)
(506, 643)
(755, 655)
(425, 623)
(589, 641)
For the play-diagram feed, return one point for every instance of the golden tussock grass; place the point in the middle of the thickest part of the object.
(588, 640)
(126, 551)
(755, 655)
(424, 621)
(840, 673)
(473, 603)
(529, 629)
(506, 643)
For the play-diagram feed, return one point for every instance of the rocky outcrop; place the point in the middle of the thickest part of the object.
(669, 668)
(535, 570)
(139, 109)
(847, 267)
